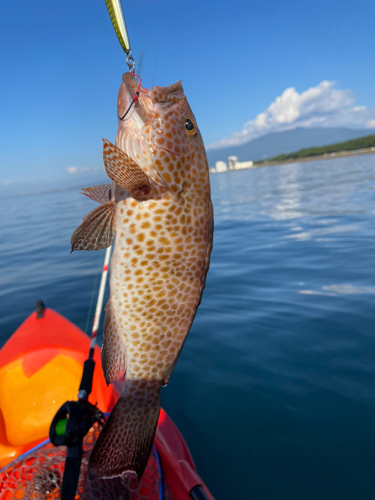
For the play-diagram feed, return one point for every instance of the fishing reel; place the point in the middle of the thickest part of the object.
(73, 421)
(75, 418)
(68, 428)
(71, 424)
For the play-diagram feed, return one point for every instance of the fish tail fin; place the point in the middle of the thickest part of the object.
(125, 443)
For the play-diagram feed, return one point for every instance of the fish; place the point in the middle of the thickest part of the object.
(159, 207)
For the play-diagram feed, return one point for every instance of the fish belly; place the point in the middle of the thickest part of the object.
(156, 280)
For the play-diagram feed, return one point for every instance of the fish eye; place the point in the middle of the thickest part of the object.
(190, 127)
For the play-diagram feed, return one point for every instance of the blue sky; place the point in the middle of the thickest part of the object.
(248, 67)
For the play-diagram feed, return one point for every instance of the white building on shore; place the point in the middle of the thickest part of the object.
(221, 166)
(233, 164)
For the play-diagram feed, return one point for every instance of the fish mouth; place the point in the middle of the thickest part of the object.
(138, 109)
(138, 113)
(144, 107)
(149, 101)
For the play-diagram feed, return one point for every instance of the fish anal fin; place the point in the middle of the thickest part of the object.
(97, 229)
(123, 170)
(100, 193)
(113, 349)
(125, 443)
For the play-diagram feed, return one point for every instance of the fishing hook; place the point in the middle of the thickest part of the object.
(135, 98)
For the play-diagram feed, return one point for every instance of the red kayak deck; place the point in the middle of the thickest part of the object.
(40, 368)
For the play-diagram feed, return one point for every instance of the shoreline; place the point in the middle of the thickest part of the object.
(326, 156)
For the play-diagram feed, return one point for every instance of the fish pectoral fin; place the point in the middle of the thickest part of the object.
(101, 193)
(97, 229)
(113, 349)
(122, 169)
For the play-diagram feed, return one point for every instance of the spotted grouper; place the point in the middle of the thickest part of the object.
(160, 208)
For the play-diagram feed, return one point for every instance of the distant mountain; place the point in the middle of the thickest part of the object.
(278, 143)
(360, 144)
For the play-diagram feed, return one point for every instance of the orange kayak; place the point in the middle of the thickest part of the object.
(40, 369)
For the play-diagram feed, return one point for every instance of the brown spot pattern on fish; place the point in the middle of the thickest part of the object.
(159, 263)
(114, 349)
(159, 285)
(133, 421)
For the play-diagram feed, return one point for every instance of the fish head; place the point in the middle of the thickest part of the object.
(160, 133)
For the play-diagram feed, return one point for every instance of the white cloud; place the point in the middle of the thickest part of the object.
(320, 106)
(74, 170)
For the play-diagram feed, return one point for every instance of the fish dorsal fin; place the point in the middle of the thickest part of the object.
(122, 169)
(113, 349)
(97, 229)
(101, 193)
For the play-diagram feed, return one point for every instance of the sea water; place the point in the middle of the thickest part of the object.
(275, 389)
